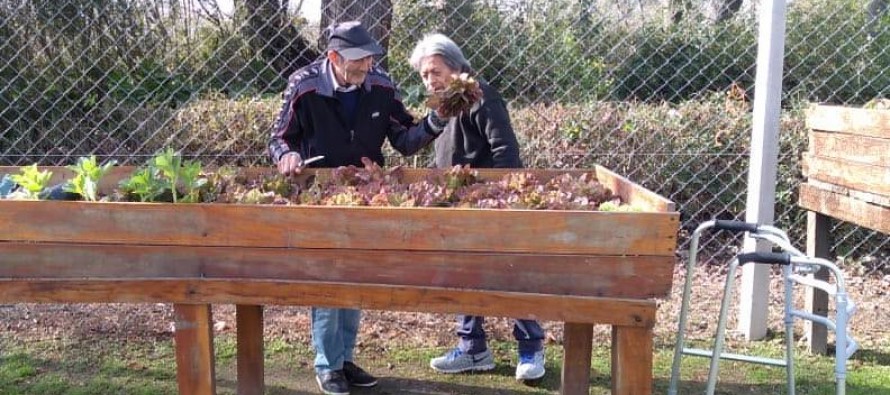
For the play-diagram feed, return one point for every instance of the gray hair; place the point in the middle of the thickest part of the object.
(439, 44)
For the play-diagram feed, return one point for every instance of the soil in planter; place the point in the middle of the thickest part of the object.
(372, 185)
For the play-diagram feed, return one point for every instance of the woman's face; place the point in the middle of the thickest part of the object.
(435, 73)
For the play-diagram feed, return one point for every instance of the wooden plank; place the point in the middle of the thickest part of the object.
(250, 349)
(632, 349)
(858, 195)
(851, 148)
(845, 208)
(194, 349)
(816, 300)
(633, 193)
(373, 228)
(578, 347)
(637, 277)
(859, 121)
(626, 312)
(866, 178)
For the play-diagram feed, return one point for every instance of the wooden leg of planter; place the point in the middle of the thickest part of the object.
(577, 349)
(816, 300)
(250, 349)
(631, 360)
(194, 349)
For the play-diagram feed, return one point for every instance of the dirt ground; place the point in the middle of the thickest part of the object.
(379, 328)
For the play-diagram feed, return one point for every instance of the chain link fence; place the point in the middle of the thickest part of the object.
(659, 91)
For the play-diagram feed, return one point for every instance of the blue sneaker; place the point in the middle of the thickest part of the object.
(531, 366)
(457, 361)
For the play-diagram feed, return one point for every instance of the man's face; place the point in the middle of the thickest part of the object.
(350, 72)
(435, 73)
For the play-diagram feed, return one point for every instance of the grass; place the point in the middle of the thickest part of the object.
(117, 367)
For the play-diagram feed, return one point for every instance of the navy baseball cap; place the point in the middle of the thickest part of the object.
(352, 41)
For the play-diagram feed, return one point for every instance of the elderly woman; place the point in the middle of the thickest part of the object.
(483, 138)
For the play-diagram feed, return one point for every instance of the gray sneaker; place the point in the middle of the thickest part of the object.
(456, 361)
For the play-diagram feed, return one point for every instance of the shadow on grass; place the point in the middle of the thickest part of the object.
(413, 386)
(802, 386)
(871, 356)
(404, 386)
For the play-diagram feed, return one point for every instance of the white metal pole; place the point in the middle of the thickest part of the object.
(763, 164)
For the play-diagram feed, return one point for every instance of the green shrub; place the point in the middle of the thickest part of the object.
(682, 61)
(832, 54)
(220, 130)
(538, 56)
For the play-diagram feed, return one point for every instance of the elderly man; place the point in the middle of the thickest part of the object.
(342, 107)
(481, 137)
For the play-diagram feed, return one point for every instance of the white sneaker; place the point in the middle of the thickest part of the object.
(531, 366)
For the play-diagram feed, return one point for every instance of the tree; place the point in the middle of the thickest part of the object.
(721, 10)
(271, 32)
(677, 10)
(876, 10)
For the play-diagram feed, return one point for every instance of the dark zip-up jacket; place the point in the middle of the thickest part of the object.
(313, 122)
(482, 137)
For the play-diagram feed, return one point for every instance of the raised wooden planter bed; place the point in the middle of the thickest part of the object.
(847, 168)
(578, 267)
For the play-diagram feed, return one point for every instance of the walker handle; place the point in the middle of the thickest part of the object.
(770, 258)
(735, 226)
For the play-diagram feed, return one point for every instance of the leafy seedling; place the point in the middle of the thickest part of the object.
(31, 181)
(190, 177)
(87, 172)
(146, 184)
(178, 172)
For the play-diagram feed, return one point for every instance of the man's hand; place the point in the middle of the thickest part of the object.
(290, 163)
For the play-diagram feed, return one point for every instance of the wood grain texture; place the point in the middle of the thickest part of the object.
(857, 149)
(628, 312)
(845, 208)
(372, 228)
(633, 193)
(251, 372)
(858, 195)
(578, 346)
(816, 300)
(632, 349)
(194, 349)
(859, 121)
(861, 177)
(638, 277)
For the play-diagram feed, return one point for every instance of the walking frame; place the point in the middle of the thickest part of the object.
(795, 268)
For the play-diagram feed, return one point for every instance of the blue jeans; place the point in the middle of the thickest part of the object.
(333, 336)
(528, 334)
